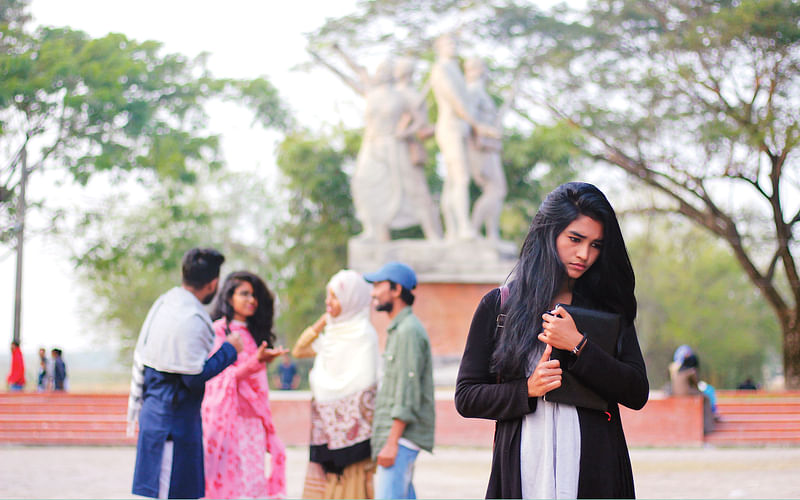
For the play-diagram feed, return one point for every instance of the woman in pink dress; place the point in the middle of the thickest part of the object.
(237, 421)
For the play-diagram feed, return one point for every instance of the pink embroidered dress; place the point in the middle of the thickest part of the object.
(237, 427)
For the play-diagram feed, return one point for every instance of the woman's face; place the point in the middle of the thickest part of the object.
(332, 305)
(243, 301)
(579, 245)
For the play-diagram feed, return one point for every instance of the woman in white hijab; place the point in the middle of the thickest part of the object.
(343, 384)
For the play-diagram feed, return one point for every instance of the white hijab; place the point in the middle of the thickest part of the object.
(347, 350)
(353, 294)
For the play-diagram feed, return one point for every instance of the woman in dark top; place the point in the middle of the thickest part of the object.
(574, 254)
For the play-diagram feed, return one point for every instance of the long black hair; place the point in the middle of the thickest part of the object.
(260, 323)
(539, 274)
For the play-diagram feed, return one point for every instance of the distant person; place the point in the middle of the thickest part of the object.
(747, 385)
(685, 380)
(45, 376)
(710, 392)
(687, 383)
(404, 409)
(573, 254)
(343, 384)
(169, 374)
(59, 370)
(237, 420)
(16, 375)
(681, 352)
(288, 378)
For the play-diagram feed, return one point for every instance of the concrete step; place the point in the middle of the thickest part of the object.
(755, 417)
(7, 419)
(765, 437)
(54, 425)
(757, 426)
(98, 438)
(758, 418)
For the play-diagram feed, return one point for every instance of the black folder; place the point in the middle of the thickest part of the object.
(602, 329)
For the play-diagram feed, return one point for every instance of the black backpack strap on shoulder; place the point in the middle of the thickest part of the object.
(501, 319)
(501, 316)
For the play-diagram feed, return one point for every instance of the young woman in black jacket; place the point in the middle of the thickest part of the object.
(573, 254)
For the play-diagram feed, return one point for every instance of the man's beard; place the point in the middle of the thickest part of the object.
(385, 307)
(208, 298)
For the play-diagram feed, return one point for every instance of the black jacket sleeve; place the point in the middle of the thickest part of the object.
(479, 394)
(620, 380)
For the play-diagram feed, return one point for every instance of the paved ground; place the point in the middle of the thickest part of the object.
(100, 472)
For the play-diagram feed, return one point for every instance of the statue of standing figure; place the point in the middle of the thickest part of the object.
(453, 127)
(412, 128)
(388, 191)
(484, 152)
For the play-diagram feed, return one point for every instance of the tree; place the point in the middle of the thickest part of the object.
(109, 104)
(687, 283)
(128, 253)
(550, 149)
(321, 218)
(696, 100)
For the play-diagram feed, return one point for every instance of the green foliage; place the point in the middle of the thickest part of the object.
(109, 104)
(534, 163)
(692, 291)
(129, 253)
(313, 239)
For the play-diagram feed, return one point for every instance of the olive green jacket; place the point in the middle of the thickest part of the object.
(406, 389)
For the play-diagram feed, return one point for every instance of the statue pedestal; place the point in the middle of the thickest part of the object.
(442, 261)
(452, 276)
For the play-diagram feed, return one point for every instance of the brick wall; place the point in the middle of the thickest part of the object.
(445, 309)
(662, 422)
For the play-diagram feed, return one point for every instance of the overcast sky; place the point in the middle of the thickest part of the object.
(245, 39)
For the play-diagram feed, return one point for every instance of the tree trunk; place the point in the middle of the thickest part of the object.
(20, 229)
(791, 354)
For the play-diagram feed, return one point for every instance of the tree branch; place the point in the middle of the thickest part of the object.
(782, 229)
(795, 219)
(713, 219)
(357, 86)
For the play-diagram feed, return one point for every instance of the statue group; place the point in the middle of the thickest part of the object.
(388, 185)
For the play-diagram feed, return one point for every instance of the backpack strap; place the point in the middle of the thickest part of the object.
(501, 317)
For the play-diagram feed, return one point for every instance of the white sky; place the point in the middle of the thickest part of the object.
(245, 39)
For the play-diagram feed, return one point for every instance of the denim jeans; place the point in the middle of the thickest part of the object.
(395, 481)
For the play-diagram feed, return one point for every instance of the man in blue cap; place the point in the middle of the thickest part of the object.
(404, 409)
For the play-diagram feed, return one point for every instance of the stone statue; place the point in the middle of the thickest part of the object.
(484, 152)
(388, 191)
(452, 131)
(413, 128)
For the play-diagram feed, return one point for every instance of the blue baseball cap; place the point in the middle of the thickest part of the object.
(396, 272)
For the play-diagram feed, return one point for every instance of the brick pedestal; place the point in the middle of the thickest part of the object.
(445, 310)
